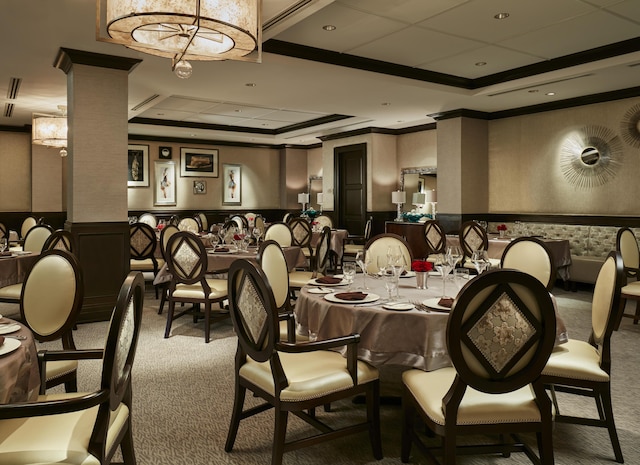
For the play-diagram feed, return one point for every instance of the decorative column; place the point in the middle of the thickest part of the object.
(96, 198)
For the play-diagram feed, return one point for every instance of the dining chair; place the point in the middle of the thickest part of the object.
(323, 220)
(189, 224)
(279, 232)
(627, 245)
(148, 218)
(500, 333)
(36, 237)
(287, 216)
(60, 239)
(294, 378)
(90, 427)
(260, 224)
(300, 278)
(435, 238)
(355, 243)
(530, 255)
(251, 219)
(166, 233)
(28, 223)
(584, 367)
(202, 219)
(378, 246)
(240, 221)
(4, 233)
(301, 234)
(142, 250)
(474, 237)
(50, 302)
(187, 262)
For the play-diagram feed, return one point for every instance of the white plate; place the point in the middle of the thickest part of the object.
(9, 328)
(433, 303)
(319, 290)
(9, 346)
(369, 298)
(399, 306)
(316, 283)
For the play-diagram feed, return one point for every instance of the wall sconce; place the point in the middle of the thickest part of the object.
(303, 198)
(399, 197)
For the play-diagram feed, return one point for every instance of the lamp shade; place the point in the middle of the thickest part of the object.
(398, 197)
(430, 196)
(319, 198)
(419, 198)
(303, 198)
(49, 130)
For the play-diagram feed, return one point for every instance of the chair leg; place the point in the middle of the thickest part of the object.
(71, 385)
(126, 447)
(605, 397)
(545, 445)
(373, 418)
(167, 330)
(207, 322)
(163, 299)
(408, 425)
(623, 304)
(636, 318)
(238, 403)
(449, 448)
(279, 436)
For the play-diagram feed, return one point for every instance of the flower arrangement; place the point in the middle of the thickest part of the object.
(421, 266)
(502, 227)
(311, 213)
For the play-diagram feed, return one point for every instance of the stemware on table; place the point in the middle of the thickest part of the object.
(348, 273)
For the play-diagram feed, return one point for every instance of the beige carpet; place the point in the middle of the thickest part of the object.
(183, 396)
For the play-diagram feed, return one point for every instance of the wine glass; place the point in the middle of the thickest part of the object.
(479, 260)
(394, 255)
(390, 282)
(257, 232)
(360, 260)
(349, 272)
(454, 255)
(443, 267)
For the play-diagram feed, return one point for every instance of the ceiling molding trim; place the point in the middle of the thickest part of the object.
(25, 128)
(66, 57)
(460, 113)
(311, 123)
(213, 142)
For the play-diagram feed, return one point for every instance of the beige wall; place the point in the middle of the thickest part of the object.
(48, 168)
(524, 164)
(15, 171)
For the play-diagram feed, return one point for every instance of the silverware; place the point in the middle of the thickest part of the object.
(421, 307)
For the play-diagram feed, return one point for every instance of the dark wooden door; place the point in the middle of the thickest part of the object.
(351, 187)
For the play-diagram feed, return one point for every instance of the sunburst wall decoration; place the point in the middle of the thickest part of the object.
(630, 126)
(590, 156)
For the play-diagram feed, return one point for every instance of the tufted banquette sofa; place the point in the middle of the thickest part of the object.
(589, 244)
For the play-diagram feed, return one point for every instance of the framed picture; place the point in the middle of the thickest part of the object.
(165, 183)
(198, 162)
(232, 184)
(138, 166)
(164, 153)
(199, 187)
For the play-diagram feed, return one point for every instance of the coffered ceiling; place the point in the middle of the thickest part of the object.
(386, 64)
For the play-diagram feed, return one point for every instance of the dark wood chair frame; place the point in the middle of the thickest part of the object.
(357, 239)
(194, 275)
(162, 243)
(302, 240)
(472, 227)
(148, 249)
(60, 239)
(503, 382)
(552, 277)
(265, 348)
(630, 273)
(440, 245)
(599, 391)
(36, 228)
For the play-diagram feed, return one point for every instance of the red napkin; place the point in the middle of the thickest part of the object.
(5, 253)
(328, 280)
(446, 302)
(351, 295)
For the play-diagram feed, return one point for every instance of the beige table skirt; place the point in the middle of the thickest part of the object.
(19, 373)
(14, 269)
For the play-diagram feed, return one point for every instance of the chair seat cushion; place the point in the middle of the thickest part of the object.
(632, 289)
(58, 368)
(575, 360)
(145, 265)
(59, 439)
(311, 375)
(352, 249)
(12, 291)
(195, 291)
(493, 263)
(299, 279)
(429, 388)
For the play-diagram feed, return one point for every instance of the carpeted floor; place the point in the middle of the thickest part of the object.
(183, 390)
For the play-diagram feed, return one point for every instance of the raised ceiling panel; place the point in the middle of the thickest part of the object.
(408, 11)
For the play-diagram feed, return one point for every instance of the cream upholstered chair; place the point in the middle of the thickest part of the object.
(82, 428)
(187, 262)
(189, 224)
(531, 255)
(474, 237)
(627, 245)
(584, 368)
(4, 233)
(301, 235)
(142, 249)
(50, 302)
(494, 385)
(323, 220)
(354, 243)
(378, 246)
(60, 239)
(294, 378)
(202, 219)
(260, 224)
(279, 232)
(298, 279)
(28, 223)
(240, 221)
(251, 219)
(148, 218)
(166, 233)
(36, 237)
(435, 238)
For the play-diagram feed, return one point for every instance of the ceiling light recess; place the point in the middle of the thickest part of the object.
(196, 30)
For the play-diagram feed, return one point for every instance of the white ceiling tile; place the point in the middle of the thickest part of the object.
(497, 59)
(166, 114)
(238, 111)
(176, 102)
(628, 8)
(409, 11)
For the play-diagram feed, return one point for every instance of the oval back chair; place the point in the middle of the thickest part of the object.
(60, 239)
(627, 245)
(28, 223)
(36, 238)
(189, 224)
(148, 218)
(378, 246)
(279, 232)
(532, 256)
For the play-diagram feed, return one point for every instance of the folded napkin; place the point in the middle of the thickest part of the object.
(351, 295)
(222, 249)
(6, 253)
(328, 280)
(446, 302)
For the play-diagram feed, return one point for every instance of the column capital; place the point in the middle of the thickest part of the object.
(66, 57)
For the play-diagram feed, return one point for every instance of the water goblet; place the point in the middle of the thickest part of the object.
(360, 260)
(479, 260)
(454, 255)
(257, 233)
(349, 272)
(390, 282)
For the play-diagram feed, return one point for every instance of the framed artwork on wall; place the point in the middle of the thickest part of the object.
(164, 183)
(164, 153)
(198, 162)
(199, 187)
(138, 166)
(232, 184)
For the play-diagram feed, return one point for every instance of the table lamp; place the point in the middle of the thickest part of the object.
(319, 200)
(419, 199)
(303, 198)
(399, 197)
(431, 199)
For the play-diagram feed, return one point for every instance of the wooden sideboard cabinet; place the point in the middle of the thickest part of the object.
(413, 234)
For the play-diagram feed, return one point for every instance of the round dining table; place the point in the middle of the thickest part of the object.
(19, 372)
